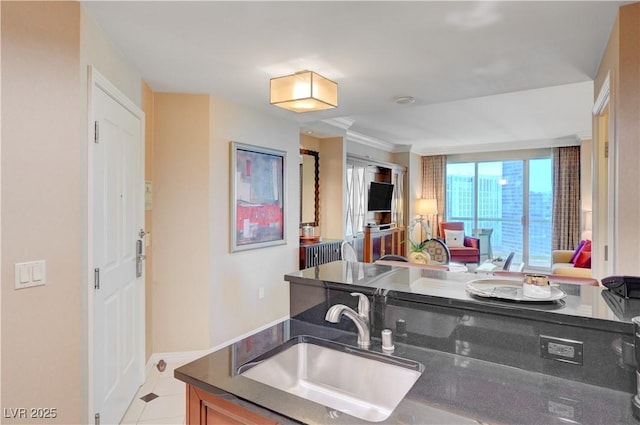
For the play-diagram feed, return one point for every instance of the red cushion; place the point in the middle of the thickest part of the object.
(577, 251)
(585, 247)
(583, 260)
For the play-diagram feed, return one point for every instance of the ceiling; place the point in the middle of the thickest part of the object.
(484, 75)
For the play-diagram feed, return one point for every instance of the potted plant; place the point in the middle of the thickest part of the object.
(498, 262)
(418, 254)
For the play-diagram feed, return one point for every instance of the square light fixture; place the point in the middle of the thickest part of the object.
(304, 91)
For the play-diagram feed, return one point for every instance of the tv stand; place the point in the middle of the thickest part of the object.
(378, 227)
(383, 239)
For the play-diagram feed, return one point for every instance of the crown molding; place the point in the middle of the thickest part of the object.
(354, 136)
(584, 135)
(603, 97)
(341, 122)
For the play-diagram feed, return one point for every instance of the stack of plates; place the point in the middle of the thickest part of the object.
(507, 289)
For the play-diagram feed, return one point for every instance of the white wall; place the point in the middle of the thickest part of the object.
(236, 277)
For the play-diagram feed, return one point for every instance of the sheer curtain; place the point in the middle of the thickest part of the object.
(433, 185)
(566, 197)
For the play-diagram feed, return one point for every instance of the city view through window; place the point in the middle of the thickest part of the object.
(513, 198)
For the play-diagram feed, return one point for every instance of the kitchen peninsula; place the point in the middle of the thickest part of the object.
(483, 359)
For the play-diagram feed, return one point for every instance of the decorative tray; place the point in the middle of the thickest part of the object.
(508, 289)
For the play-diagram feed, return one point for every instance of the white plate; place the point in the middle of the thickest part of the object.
(508, 289)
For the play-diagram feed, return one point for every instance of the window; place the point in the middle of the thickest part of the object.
(512, 197)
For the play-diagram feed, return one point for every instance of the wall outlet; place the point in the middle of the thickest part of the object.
(260, 293)
(561, 349)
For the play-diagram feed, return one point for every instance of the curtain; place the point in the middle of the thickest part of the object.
(433, 186)
(566, 197)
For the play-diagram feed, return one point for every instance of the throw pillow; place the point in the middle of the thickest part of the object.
(586, 246)
(577, 251)
(454, 238)
(583, 260)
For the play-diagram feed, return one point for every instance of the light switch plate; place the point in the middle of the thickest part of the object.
(29, 274)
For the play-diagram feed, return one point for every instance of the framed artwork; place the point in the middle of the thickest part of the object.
(258, 188)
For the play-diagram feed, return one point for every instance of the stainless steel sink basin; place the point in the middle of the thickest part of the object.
(361, 383)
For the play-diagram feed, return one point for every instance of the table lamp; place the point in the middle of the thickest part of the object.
(426, 208)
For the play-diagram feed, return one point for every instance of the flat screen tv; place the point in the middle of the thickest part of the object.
(380, 195)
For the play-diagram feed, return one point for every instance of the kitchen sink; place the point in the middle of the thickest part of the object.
(361, 383)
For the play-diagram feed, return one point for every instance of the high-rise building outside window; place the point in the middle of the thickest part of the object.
(514, 198)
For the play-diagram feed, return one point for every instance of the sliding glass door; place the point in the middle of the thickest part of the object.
(540, 201)
(510, 200)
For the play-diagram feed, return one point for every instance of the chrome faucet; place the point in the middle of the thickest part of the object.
(361, 318)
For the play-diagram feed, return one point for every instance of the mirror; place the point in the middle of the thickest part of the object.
(309, 187)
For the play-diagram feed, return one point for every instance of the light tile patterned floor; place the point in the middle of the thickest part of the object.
(167, 408)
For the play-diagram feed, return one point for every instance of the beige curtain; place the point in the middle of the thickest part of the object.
(566, 197)
(433, 186)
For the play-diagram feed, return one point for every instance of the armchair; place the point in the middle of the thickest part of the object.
(468, 251)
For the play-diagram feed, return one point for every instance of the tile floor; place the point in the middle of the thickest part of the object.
(167, 408)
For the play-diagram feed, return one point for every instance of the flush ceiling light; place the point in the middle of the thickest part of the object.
(405, 100)
(304, 91)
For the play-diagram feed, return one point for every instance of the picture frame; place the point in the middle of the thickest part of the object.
(258, 197)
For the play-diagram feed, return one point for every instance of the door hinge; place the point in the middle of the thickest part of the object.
(96, 278)
(96, 132)
(97, 418)
(606, 149)
(606, 253)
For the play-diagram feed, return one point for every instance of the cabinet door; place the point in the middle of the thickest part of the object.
(205, 408)
(386, 247)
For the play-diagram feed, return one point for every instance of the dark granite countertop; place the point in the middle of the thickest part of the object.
(453, 389)
(586, 306)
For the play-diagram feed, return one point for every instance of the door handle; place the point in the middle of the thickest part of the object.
(139, 258)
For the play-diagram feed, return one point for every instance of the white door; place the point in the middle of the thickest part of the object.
(118, 294)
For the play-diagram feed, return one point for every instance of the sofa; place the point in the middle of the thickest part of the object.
(562, 265)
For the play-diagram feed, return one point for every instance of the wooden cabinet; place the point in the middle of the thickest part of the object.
(383, 240)
(312, 255)
(360, 172)
(205, 408)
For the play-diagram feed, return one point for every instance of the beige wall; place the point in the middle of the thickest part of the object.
(42, 207)
(310, 142)
(621, 61)
(628, 143)
(147, 107)
(413, 188)
(181, 219)
(313, 143)
(237, 277)
(46, 47)
(586, 173)
(333, 200)
(332, 160)
(98, 50)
